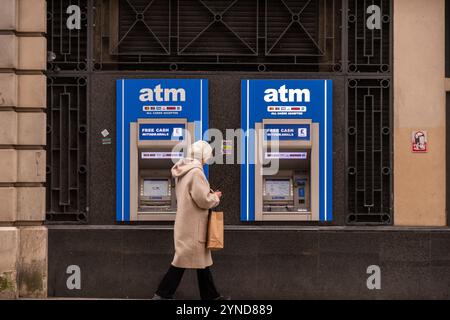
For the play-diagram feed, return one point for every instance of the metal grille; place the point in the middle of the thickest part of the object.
(67, 48)
(327, 36)
(308, 31)
(217, 28)
(144, 28)
(67, 131)
(369, 50)
(264, 35)
(369, 167)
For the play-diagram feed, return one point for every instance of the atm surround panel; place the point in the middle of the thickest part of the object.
(301, 173)
(150, 162)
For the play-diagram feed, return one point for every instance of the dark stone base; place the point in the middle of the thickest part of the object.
(262, 263)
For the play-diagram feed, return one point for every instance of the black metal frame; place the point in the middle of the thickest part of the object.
(67, 49)
(382, 72)
(363, 55)
(334, 58)
(184, 50)
(70, 70)
(85, 51)
(67, 150)
(369, 162)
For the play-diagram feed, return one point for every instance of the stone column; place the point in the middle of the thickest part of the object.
(23, 238)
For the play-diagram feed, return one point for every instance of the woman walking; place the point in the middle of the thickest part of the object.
(194, 199)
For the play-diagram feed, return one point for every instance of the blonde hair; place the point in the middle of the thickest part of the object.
(200, 150)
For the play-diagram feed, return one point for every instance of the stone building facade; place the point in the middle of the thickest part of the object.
(29, 241)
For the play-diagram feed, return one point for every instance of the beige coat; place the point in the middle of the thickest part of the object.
(194, 198)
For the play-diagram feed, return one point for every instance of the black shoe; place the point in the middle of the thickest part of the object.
(223, 298)
(158, 297)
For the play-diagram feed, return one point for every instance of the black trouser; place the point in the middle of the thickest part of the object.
(171, 280)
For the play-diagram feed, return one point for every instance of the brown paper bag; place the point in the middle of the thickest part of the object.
(215, 230)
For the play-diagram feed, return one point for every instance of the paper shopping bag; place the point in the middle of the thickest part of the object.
(215, 231)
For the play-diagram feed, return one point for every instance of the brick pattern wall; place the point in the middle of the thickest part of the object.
(23, 238)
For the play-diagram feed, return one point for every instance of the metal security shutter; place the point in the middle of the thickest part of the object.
(217, 28)
(144, 28)
(275, 35)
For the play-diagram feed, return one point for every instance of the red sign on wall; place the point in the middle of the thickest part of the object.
(419, 141)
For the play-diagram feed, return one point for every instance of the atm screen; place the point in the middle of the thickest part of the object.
(156, 187)
(278, 187)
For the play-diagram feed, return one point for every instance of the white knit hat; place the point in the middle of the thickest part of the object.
(200, 150)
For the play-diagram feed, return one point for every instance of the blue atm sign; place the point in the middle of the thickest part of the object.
(150, 131)
(287, 102)
(153, 99)
(287, 132)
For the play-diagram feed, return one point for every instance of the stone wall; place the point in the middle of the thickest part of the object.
(23, 239)
(419, 104)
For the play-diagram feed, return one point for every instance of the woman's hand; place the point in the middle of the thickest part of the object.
(218, 194)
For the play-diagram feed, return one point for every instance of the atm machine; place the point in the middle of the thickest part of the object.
(290, 193)
(152, 155)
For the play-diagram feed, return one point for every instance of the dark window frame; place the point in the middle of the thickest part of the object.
(84, 64)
